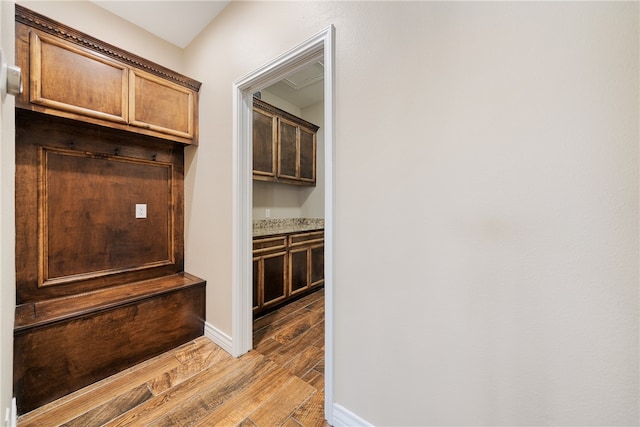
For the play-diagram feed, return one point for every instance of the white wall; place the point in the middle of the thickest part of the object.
(280, 103)
(486, 254)
(282, 200)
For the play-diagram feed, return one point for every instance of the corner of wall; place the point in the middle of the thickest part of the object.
(218, 337)
(342, 417)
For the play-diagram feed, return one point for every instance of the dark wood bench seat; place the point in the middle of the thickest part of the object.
(41, 313)
(67, 343)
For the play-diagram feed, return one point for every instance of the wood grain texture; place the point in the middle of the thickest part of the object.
(28, 17)
(286, 267)
(59, 358)
(115, 407)
(99, 85)
(198, 384)
(70, 74)
(282, 403)
(97, 289)
(264, 143)
(89, 194)
(284, 146)
(158, 104)
(66, 307)
(108, 243)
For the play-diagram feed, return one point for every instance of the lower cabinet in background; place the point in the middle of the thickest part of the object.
(285, 267)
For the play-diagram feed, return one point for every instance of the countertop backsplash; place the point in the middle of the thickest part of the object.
(266, 227)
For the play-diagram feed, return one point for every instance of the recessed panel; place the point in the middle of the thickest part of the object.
(158, 105)
(288, 149)
(70, 79)
(89, 215)
(263, 144)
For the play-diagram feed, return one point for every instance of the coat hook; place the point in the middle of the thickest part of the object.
(153, 157)
(116, 151)
(71, 145)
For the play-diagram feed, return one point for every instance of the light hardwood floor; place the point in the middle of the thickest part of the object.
(279, 383)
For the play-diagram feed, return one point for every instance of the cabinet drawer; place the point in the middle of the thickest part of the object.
(306, 238)
(269, 244)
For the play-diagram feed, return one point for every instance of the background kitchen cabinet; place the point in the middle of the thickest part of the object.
(265, 135)
(284, 146)
(285, 267)
(269, 272)
(306, 261)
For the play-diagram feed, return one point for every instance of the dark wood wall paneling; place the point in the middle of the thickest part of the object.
(76, 190)
(98, 289)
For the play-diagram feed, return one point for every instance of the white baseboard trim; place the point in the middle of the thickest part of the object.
(342, 417)
(218, 337)
(11, 415)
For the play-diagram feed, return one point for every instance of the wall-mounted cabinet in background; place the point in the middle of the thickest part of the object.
(284, 146)
(70, 75)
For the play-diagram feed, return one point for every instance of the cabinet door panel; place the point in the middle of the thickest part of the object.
(317, 265)
(256, 283)
(264, 143)
(287, 151)
(274, 285)
(159, 105)
(291, 157)
(67, 78)
(299, 273)
(307, 155)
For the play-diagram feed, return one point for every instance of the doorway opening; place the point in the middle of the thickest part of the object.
(288, 195)
(318, 48)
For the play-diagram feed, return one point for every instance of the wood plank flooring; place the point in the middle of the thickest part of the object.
(279, 383)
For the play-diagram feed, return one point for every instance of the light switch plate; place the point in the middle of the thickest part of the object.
(141, 210)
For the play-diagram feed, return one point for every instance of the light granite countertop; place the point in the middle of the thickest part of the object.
(268, 227)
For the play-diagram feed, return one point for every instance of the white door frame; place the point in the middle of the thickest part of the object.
(318, 47)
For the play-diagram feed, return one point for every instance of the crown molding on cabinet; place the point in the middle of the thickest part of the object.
(50, 26)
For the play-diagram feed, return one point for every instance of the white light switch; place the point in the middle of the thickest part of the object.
(267, 213)
(141, 210)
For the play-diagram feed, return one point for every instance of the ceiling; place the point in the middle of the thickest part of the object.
(179, 22)
(303, 88)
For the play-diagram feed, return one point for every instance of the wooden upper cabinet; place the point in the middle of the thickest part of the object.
(284, 146)
(160, 105)
(69, 74)
(288, 149)
(265, 135)
(307, 155)
(67, 78)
